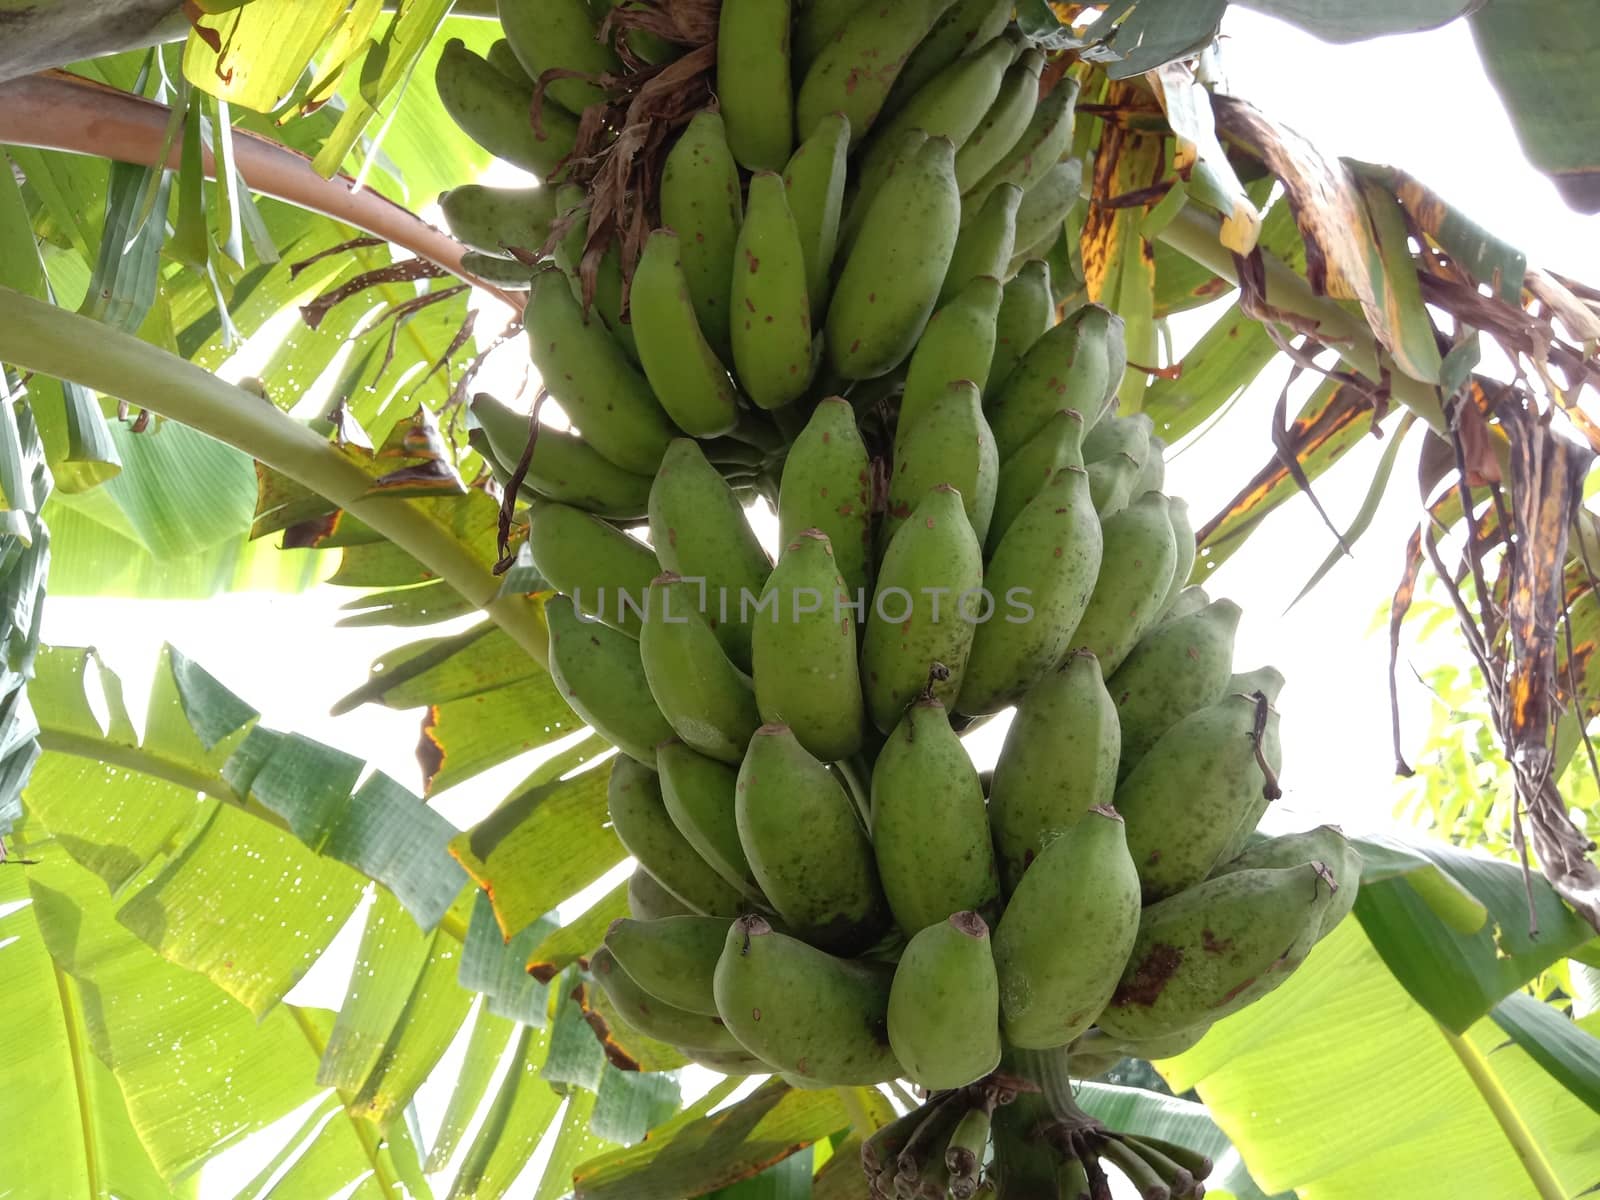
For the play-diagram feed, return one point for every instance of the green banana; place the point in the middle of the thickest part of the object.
(698, 793)
(563, 467)
(606, 572)
(1326, 845)
(491, 218)
(640, 820)
(853, 72)
(1026, 311)
(703, 202)
(654, 1017)
(770, 303)
(901, 154)
(1076, 364)
(560, 34)
(509, 274)
(1178, 668)
(709, 702)
(802, 1010)
(494, 112)
(673, 959)
(1265, 682)
(753, 82)
(699, 531)
(944, 1004)
(601, 292)
(1048, 561)
(504, 59)
(816, 23)
(1183, 539)
(1073, 1181)
(957, 344)
(1111, 482)
(1170, 1174)
(815, 179)
(1026, 473)
(682, 368)
(589, 375)
(965, 1150)
(804, 650)
(948, 443)
(1058, 761)
(1066, 933)
(1114, 452)
(951, 105)
(1127, 599)
(983, 247)
(649, 901)
(806, 847)
(892, 274)
(1193, 792)
(1045, 206)
(827, 485)
(1154, 476)
(598, 672)
(921, 617)
(965, 29)
(930, 832)
(1046, 138)
(1188, 600)
(1215, 948)
(1003, 124)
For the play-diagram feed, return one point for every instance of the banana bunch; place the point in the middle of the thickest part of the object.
(843, 311)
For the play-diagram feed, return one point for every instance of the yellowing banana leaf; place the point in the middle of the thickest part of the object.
(1338, 1079)
(254, 55)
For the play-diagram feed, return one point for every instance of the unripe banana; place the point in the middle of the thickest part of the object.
(1182, 538)
(560, 34)
(1188, 600)
(563, 466)
(957, 344)
(1004, 123)
(753, 82)
(1025, 474)
(901, 153)
(1326, 845)
(1076, 364)
(1114, 452)
(965, 29)
(702, 200)
(1047, 137)
(504, 59)
(490, 218)
(815, 179)
(930, 831)
(673, 959)
(1118, 435)
(699, 531)
(893, 272)
(827, 485)
(725, 1062)
(509, 274)
(698, 794)
(806, 847)
(816, 23)
(1045, 206)
(916, 624)
(1178, 668)
(804, 649)
(803, 1010)
(494, 112)
(854, 71)
(602, 294)
(770, 303)
(606, 572)
(1215, 948)
(984, 245)
(649, 901)
(1058, 761)
(1187, 798)
(588, 374)
(948, 443)
(1026, 311)
(1267, 682)
(951, 105)
(1136, 572)
(944, 1004)
(598, 672)
(683, 370)
(1049, 559)
(1067, 932)
(654, 1017)
(709, 702)
(642, 826)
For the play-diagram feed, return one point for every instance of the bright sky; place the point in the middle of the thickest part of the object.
(1420, 102)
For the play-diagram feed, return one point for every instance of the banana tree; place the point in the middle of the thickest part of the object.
(201, 827)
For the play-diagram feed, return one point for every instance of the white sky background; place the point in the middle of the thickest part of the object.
(1420, 102)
